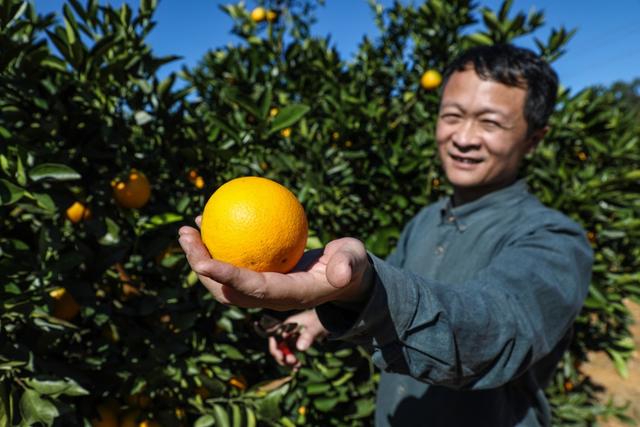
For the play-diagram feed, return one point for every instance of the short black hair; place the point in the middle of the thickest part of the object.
(514, 66)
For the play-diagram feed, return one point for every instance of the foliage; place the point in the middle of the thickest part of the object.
(81, 105)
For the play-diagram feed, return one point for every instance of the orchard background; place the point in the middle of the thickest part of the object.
(99, 312)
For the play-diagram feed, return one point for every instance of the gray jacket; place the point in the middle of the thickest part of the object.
(470, 315)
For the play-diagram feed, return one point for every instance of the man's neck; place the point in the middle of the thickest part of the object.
(463, 195)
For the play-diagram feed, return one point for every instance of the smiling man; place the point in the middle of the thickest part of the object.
(471, 313)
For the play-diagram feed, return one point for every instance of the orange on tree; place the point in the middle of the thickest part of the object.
(255, 223)
(258, 14)
(134, 192)
(107, 415)
(272, 16)
(65, 306)
(199, 183)
(77, 212)
(286, 133)
(238, 382)
(430, 80)
(273, 112)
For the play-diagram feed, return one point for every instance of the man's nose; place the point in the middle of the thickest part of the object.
(466, 136)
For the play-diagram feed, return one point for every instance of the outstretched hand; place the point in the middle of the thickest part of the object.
(339, 272)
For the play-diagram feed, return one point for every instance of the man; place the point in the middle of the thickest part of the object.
(470, 315)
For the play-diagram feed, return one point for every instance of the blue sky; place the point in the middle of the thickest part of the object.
(605, 49)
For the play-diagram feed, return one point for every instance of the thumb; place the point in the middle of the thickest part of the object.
(305, 340)
(340, 268)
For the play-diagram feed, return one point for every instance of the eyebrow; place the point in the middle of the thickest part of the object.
(483, 111)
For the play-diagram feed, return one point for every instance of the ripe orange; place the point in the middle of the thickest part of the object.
(107, 415)
(258, 14)
(286, 133)
(430, 80)
(255, 223)
(134, 193)
(65, 306)
(77, 212)
(272, 16)
(130, 418)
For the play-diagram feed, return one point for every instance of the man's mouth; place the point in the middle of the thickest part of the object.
(468, 160)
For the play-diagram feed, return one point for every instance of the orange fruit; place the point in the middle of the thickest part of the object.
(273, 112)
(107, 415)
(133, 193)
(130, 418)
(199, 183)
(77, 212)
(65, 306)
(258, 14)
(430, 80)
(272, 16)
(286, 133)
(255, 223)
(238, 382)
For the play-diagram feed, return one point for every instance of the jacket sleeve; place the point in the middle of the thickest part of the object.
(481, 333)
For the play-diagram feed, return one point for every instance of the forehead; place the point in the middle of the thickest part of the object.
(468, 91)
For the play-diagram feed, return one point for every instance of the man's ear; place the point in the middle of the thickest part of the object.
(535, 138)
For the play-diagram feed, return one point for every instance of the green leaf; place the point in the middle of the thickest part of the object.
(251, 417)
(4, 133)
(480, 39)
(230, 351)
(35, 409)
(45, 201)
(205, 421)
(619, 363)
(54, 171)
(10, 193)
(112, 236)
(325, 404)
(66, 386)
(4, 407)
(221, 416)
(288, 116)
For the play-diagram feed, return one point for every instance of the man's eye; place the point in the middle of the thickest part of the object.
(450, 116)
(491, 124)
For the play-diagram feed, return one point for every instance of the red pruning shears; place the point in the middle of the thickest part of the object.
(284, 333)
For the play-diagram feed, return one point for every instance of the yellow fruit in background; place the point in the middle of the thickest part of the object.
(77, 212)
(65, 306)
(431, 79)
(107, 416)
(272, 16)
(130, 418)
(258, 14)
(133, 193)
(255, 223)
(199, 183)
(273, 112)
(286, 133)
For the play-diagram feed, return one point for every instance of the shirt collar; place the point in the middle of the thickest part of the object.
(497, 200)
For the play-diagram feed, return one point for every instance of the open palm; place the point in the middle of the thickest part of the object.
(339, 272)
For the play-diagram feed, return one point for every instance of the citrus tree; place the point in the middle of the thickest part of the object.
(101, 319)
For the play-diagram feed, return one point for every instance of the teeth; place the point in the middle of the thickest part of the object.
(465, 160)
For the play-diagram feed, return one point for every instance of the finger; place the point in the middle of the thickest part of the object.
(199, 221)
(340, 268)
(275, 352)
(305, 340)
(291, 360)
(186, 229)
(192, 245)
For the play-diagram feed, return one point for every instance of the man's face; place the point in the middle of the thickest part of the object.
(481, 134)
